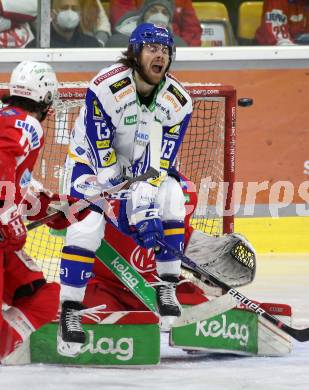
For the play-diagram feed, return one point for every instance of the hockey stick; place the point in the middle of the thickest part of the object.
(89, 202)
(298, 334)
(205, 310)
(155, 140)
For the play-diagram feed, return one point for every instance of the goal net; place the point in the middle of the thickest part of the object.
(206, 157)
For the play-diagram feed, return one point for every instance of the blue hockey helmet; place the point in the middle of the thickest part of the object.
(150, 33)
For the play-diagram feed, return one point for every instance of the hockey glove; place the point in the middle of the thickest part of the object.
(148, 227)
(13, 232)
(46, 203)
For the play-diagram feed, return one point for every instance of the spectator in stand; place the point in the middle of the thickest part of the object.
(284, 22)
(185, 22)
(159, 12)
(94, 20)
(15, 31)
(66, 28)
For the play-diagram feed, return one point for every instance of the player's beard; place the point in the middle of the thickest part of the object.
(149, 80)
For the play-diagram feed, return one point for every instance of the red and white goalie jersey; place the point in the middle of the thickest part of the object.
(283, 21)
(21, 140)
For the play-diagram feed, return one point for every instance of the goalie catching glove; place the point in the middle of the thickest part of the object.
(230, 257)
(40, 204)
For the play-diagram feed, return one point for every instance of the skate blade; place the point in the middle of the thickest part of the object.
(67, 349)
(166, 323)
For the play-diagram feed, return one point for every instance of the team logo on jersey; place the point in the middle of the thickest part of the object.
(25, 179)
(179, 96)
(119, 85)
(119, 96)
(109, 159)
(276, 16)
(141, 139)
(167, 96)
(104, 144)
(8, 112)
(143, 260)
(86, 185)
(173, 132)
(97, 113)
(80, 151)
(109, 74)
(130, 120)
(164, 164)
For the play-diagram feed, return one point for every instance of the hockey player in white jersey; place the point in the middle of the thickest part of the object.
(110, 140)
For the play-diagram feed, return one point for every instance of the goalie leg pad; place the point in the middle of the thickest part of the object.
(27, 315)
(22, 277)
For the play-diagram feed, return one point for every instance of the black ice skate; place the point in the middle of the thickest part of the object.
(71, 336)
(167, 302)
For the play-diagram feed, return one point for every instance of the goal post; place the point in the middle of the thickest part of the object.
(206, 158)
(213, 124)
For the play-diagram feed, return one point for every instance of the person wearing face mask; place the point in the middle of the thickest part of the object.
(184, 21)
(158, 12)
(65, 26)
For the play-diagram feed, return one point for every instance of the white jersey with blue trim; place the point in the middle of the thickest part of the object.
(112, 129)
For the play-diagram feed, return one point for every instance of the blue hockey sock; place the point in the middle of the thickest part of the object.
(76, 266)
(174, 236)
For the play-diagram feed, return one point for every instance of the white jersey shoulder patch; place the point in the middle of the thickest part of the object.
(174, 99)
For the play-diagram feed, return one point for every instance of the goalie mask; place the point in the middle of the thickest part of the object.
(34, 80)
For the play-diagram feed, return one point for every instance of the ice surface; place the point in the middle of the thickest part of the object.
(283, 279)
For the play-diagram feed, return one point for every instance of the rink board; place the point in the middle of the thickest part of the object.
(276, 235)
